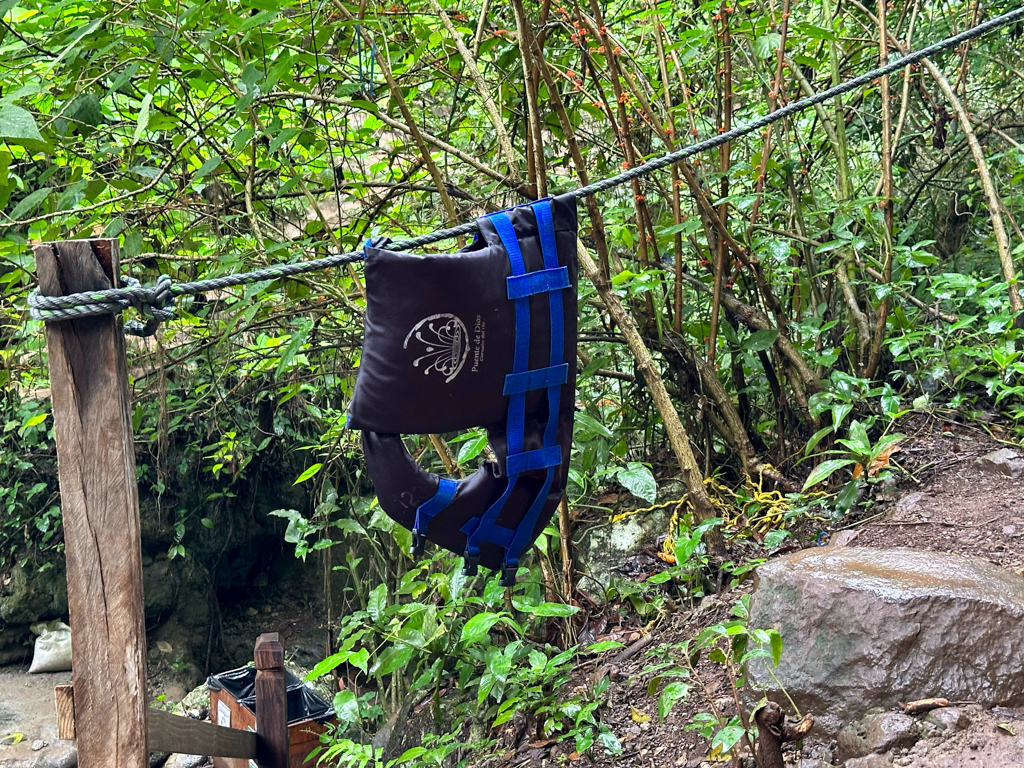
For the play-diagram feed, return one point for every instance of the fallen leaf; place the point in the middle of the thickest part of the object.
(1008, 728)
(716, 755)
(638, 716)
(574, 756)
(882, 460)
(164, 646)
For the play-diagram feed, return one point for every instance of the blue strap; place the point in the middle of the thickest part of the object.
(528, 461)
(485, 527)
(541, 281)
(537, 378)
(524, 531)
(442, 498)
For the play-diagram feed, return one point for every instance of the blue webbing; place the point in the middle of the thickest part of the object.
(537, 378)
(551, 280)
(549, 249)
(541, 281)
(485, 528)
(445, 493)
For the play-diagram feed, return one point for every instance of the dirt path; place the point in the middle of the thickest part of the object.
(27, 708)
(945, 500)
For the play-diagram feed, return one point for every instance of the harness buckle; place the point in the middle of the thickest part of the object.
(417, 546)
(508, 575)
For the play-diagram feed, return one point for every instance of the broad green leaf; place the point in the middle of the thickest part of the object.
(824, 470)
(472, 447)
(478, 627)
(208, 167)
(726, 738)
(588, 423)
(411, 754)
(32, 421)
(308, 474)
(672, 693)
(610, 742)
(639, 481)
(760, 340)
(775, 640)
(142, 122)
(329, 664)
(392, 659)
(30, 203)
(346, 707)
(546, 609)
(378, 601)
(360, 659)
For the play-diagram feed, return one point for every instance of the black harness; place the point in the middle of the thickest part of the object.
(482, 337)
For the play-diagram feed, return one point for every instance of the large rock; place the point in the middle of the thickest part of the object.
(865, 628)
(605, 550)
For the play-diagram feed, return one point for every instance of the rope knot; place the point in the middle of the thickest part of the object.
(156, 304)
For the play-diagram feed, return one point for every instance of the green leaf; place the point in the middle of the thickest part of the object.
(673, 692)
(207, 522)
(472, 448)
(308, 474)
(592, 425)
(765, 45)
(478, 627)
(815, 439)
(546, 609)
(360, 659)
(143, 120)
(208, 167)
(32, 421)
(824, 470)
(726, 738)
(329, 664)
(604, 645)
(411, 754)
(760, 340)
(776, 642)
(610, 742)
(30, 203)
(346, 707)
(773, 539)
(392, 659)
(378, 601)
(639, 481)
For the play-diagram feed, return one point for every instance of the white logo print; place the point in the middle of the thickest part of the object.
(445, 340)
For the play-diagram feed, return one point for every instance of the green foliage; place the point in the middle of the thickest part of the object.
(215, 137)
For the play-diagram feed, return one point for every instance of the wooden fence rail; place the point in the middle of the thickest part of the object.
(167, 732)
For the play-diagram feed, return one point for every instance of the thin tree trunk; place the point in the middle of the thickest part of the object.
(991, 195)
(693, 478)
(493, 114)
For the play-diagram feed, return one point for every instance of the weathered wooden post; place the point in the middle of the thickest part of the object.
(271, 703)
(100, 505)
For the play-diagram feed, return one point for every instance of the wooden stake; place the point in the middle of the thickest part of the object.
(100, 505)
(271, 703)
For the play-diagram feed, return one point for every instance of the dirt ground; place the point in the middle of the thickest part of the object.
(942, 500)
(28, 720)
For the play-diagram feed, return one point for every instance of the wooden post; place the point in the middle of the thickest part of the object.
(100, 505)
(271, 703)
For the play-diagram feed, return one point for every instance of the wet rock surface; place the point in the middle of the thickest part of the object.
(865, 628)
(1004, 461)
